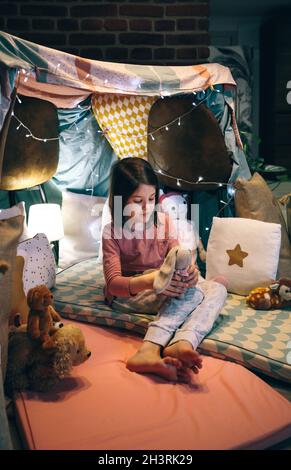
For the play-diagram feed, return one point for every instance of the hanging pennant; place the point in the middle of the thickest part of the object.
(124, 121)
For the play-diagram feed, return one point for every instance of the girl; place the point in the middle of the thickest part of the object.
(135, 245)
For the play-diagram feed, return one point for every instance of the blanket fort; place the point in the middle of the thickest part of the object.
(69, 81)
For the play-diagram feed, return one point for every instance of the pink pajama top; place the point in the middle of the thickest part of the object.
(123, 257)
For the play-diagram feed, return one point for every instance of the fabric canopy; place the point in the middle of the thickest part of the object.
(70, 81)
(65, 79)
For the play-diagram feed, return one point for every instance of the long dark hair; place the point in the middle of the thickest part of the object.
(126, 176)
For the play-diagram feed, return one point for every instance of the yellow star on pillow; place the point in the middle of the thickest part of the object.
(236, 256)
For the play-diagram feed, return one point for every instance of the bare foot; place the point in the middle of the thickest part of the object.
(183, 350)
(184, 375)
(147, 360)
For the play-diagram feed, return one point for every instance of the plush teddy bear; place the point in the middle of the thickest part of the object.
(3, 268)
(175, 205)
(275, 296)
(30, 367)
(41, 316)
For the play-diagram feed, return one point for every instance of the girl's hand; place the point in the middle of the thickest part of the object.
(176, 287)
(192, 279)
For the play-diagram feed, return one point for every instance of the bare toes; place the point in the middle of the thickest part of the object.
(172, 361)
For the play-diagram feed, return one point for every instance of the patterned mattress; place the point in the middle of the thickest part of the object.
(259, 340)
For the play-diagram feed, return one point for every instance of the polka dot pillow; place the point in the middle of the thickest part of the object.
(39, 262)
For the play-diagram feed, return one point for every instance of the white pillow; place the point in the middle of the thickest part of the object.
(245, 251)
(82, 227)
(39, 262)
(18, 209)
(106, 219)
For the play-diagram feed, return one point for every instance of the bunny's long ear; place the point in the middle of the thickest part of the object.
(165, 274)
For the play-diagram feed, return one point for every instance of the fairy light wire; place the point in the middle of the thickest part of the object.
(106, 130)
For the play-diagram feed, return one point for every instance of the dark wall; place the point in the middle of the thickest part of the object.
(146, 32)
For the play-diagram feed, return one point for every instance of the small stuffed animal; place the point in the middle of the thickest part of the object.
(175, 205)
(30, 367)
(177, 261)
(41, 316)
(275, 296)
(3, 268)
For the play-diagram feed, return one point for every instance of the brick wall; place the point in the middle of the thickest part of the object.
(145, 32)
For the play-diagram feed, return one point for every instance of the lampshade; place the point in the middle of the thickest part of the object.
(47, 219)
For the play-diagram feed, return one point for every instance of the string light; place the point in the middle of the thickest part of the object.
(198, 181)
(105, 131)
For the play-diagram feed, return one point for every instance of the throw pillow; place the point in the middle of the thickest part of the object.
(245, 251)
(106, 219)
(255, 200)
(10, 231)
(18, 209)
(82, 227)
(39, 265)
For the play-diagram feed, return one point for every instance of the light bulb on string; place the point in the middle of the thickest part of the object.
(179, 122)
(18, 99)
(194, 104)
(152, 137)
(167, 128)
(231, 190)
(200, 179)
(18, 127)
(222, 202)
(178, 182)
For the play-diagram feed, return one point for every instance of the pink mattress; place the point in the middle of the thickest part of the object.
(105, 406)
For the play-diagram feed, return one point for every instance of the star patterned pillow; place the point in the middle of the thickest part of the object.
(245, 251)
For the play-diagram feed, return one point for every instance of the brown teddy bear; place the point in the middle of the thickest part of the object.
(41, 317)
(30, 367)
(275, 296)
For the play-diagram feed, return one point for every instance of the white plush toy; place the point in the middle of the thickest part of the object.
(175, 205)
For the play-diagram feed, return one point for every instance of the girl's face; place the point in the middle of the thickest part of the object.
(143, 203)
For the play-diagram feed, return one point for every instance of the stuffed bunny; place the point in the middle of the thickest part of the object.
(177, 261)
(175, 205)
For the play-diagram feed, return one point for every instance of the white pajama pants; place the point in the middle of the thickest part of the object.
(189, 317)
